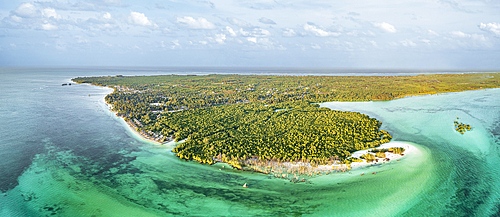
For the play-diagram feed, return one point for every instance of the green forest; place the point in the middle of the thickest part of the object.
(233, 118)
(238, 132)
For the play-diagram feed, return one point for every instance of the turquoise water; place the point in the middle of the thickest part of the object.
(64, 154)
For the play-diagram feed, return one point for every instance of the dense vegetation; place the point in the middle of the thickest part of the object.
(237, 117)
(395, 150)
(461, 127)
(238, 132)
(174, 92)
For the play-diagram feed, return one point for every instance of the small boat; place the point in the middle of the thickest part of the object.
(245, 185)
(362, 173)
(374, 173)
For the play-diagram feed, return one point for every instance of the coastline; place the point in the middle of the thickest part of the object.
(436, 93)
(296, 171)
(324, 168)
(139, 134)
(281, 168)
(409, 149)
(132, 129)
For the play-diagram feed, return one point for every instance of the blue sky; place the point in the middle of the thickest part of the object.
(407, 34)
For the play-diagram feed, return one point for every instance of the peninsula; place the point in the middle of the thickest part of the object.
(241, 119)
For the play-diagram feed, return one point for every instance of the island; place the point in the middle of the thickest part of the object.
(461, 127)
(269, 123)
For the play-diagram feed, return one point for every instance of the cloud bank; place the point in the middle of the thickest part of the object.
(299, 32)
(192, 23)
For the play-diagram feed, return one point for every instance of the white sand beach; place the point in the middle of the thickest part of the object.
(319, 169)
(409, 149)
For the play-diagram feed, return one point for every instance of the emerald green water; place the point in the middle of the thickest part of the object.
(64, 154)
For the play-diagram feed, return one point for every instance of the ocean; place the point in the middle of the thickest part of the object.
(63, 153)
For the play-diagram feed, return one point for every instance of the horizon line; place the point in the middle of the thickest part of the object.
(271, 68)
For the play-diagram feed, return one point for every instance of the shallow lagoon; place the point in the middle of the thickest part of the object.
(65, 154)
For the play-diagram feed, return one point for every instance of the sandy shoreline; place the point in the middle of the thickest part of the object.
(140, 135)
(293, 171)
(132, 129)
(409, 149)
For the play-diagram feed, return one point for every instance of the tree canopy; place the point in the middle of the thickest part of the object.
(236, 117)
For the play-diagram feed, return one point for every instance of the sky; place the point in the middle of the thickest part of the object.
(387, 34)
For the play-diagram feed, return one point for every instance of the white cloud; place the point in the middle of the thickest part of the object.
(238, 22)
(103, 22)
(81, 40)
(319, 32)
(230, 31)
(50, 12)
(478, 37)
(16, 18)
(267, 21)
(176, 44)
(192, 23)
(106, 26)
(374, 43)
(426, 41)
(491, 27)
(460, 34)
(258, 32)
(165, 30)
(386, 27)
(264, 43)
(220, 38)
(407, 43)
(432, 32)
(138, 19)
(48, 27)
(107, 16)
(315, 46)
(244, 33)
(289, 33)
(281, 47)
(26, 10)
